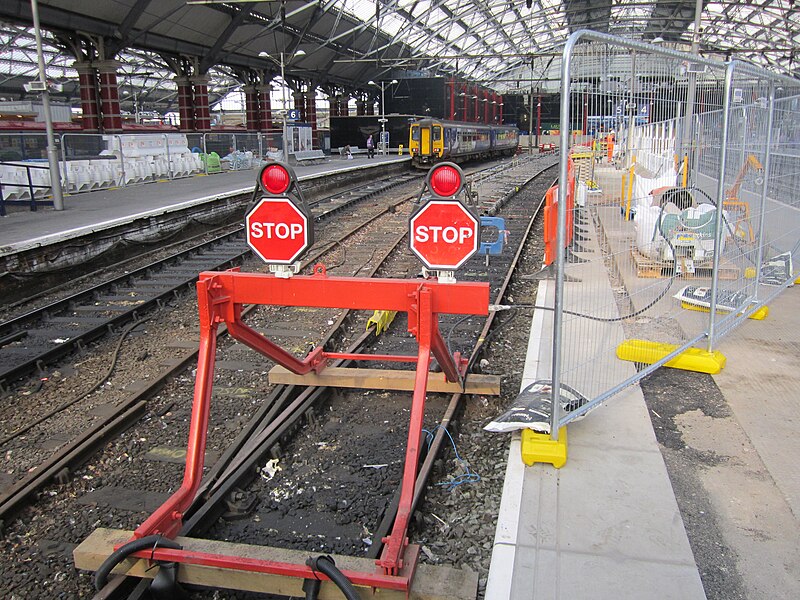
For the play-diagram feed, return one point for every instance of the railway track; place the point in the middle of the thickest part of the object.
(298, 511)
(274, 431)
(34, 340)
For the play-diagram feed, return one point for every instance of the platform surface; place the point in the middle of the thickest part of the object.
(607, 524)
(91, 211)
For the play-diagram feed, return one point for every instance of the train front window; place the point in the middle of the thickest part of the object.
(415, 133)
(437, 133)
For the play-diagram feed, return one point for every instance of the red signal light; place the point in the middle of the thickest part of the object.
(275, 179)
(445, 180)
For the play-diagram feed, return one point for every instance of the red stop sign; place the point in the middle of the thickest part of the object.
(277, 230)
(444, 234)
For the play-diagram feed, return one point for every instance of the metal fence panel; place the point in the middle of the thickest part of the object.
(655, 142)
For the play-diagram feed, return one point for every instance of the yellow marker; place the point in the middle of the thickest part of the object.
(758, 315)
(691, 359)
(541, 448)
(685, 177)
(624, 188)
(630, 195)
(381, 319)
(400, 150)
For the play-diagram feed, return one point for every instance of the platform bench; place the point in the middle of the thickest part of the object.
(308, 157)
(353, 150)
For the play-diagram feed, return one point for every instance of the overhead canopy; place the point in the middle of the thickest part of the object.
(502, 44)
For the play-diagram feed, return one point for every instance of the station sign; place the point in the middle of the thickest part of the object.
(444, 234)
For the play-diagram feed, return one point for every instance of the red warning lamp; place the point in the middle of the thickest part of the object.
(445, 180)
(275, 179)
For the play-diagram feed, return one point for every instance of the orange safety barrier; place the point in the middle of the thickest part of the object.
(550, 224)
(551, 216)
(570, 200)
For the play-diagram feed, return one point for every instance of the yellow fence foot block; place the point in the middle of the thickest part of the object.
(691, 359)
(541, 448)
(758, 315)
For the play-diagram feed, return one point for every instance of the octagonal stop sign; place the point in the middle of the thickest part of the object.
(278, 230)
(444, 234)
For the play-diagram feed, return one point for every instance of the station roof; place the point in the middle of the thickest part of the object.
(347, 43)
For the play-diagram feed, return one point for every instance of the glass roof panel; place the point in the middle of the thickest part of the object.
(484, 39)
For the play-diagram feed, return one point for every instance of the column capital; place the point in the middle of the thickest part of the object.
(106, 66)
(200, 79)
(83, 67)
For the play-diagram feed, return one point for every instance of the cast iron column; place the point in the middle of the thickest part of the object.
(87, 79)
(202, 116)
(185, 104)
(109, 96)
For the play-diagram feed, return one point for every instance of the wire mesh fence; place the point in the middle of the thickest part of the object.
(677, 215)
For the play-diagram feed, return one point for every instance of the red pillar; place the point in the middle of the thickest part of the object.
(265, 106)
(466, 104)
(252, 119)
(311, 104)
(539, 119)
(500, 105)
(485, 101)
(109, 96)
(452, 87)
(360, 105)
(494, 107)
(370, 105)
(299, 99)
(185, 104)
(87, 79)
(585, 123)
(477, 93)
(202, 115)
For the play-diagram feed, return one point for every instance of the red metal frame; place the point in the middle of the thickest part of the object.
(221, 296)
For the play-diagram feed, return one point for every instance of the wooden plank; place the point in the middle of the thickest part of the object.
(385, 379)
(430, 582)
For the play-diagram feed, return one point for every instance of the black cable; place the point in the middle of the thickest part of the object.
(150, 541)
(326, 565)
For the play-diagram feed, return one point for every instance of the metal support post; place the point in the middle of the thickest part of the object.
(52, 155)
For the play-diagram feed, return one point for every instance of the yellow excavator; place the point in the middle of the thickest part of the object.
(738, 209)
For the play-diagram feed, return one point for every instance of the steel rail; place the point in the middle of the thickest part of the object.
(77, 450)
(455, 400)
(20, 327)
(280, 411)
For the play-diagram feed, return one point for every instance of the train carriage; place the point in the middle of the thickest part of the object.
(434, 140)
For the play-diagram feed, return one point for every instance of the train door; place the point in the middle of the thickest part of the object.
(425, 141)
(438, 140)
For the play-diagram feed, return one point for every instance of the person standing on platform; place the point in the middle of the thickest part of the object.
(370, 147)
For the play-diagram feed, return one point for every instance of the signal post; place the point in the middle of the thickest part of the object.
(444, 235)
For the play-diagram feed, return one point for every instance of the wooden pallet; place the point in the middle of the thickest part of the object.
(650, 268)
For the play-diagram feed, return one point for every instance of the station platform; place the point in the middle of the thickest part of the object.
(99, 210)
(607, 524)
